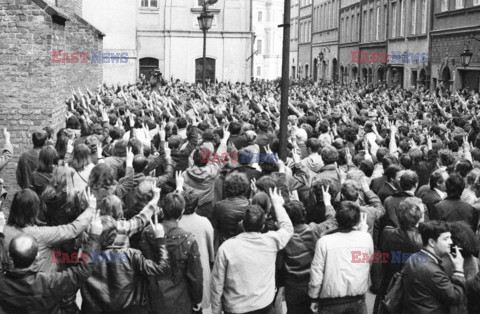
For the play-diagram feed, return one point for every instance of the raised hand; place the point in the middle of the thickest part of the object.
(129, 158)
(253, 185)
(179, 180)
(6, 134)
(2, 221)
(157, 227)
(70, 146)
(91, 199)
(96, 224)
(226, 133)
(327, 198)
(168, 151)
(363, 226)
(276, 197)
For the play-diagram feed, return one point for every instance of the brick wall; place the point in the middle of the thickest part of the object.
(32, 89)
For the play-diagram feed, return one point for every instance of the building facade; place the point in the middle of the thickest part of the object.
(294, 37)
(454, 24)
(267, 54)
(325, 40)
(349, 40)
(166, 34)
(305, 39)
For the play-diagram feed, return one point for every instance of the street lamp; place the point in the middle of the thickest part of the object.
(205, 23)
(466, 57)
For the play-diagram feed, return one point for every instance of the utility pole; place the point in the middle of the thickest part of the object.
(285, 80)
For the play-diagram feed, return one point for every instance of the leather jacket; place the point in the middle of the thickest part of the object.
(121, 285)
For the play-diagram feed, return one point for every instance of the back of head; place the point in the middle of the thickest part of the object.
(410, 212)
(191, 201)
(408, 180)
(111, 206)
(39, 138)
(120, 148)
(436, 179)
(144, 191)
(314, 144)
(253, 219)
(201, 156)
(296, 212)
(455, 185)
(236, 184)
(463, 167)
(329, 154)
(109, 231)
(235, 128)
(348, 215)
(263, 200)
(47, 159)
(24, 209)
(432, 230)
(173, 206)
(174, 141)
(265, 183)
(391, 172)
(101, 176)
(464, 237)
(140, 162)
(350, 190)
(23, 250)
(80, 157)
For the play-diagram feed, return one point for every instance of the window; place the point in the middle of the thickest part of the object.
(352, 28)
(476, 2)
(444, 5)
(459, 4)
(372, 26)
(377, 35)
(424, 16)
(357, 28)
(330, 15)
(259, 71)
(364, 28)
(335, 13)
(260, 16)
(152, 3)
(414, 17)
(342, 30)
(259, 46)
(402, 18)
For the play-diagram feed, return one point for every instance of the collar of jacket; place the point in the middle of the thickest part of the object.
(433, 256)
(19, 273)
(403, 193)
(249, 235)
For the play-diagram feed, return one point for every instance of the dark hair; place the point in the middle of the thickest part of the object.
(22, 255)
(173, 206)
(464, 237)
(408, 180)
(24, 209)
(318, 184)
(181, 123)
(367, 167)
(406, 161)
(109, 231)
(463, 167)
(348, 215)
(436, 178)
(391, 172)
(381, 153)
(61, 144)
(111, 206)
(296, 212)
(101, 176)
(265, 183)
(455, 185)
(314, 144)
(201, 157)
(140, 162)
(236, 184)
(191, 201)
(136, 145)
(388, 161)
(253, 219)
(329, 154)
(39, 138)
(47, 159)
(115, 133)
(80, 157)
(235, 127)
(263, 200)
(409, 213)
(432, 230)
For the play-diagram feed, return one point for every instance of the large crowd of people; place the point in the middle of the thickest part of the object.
(162, 197)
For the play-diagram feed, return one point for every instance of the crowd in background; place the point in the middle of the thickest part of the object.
(380, 191)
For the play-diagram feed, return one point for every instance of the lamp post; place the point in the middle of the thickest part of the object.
(466, 57)
(205, 23)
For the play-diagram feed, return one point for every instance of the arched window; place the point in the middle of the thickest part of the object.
(147, 65)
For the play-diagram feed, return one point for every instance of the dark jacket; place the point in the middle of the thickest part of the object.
(26, 166)
(427, 288)
(429, 197)
(298, 255)
(386, 191)
(329, 172)
(28, 292)
(121, 286)
(225, 218)
(240, 141)
(377, 184)
(391, 205)
(182, 287)
(451, 209)
(180, 156)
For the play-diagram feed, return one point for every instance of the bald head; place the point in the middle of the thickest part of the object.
(145, 191)
(23, 250)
